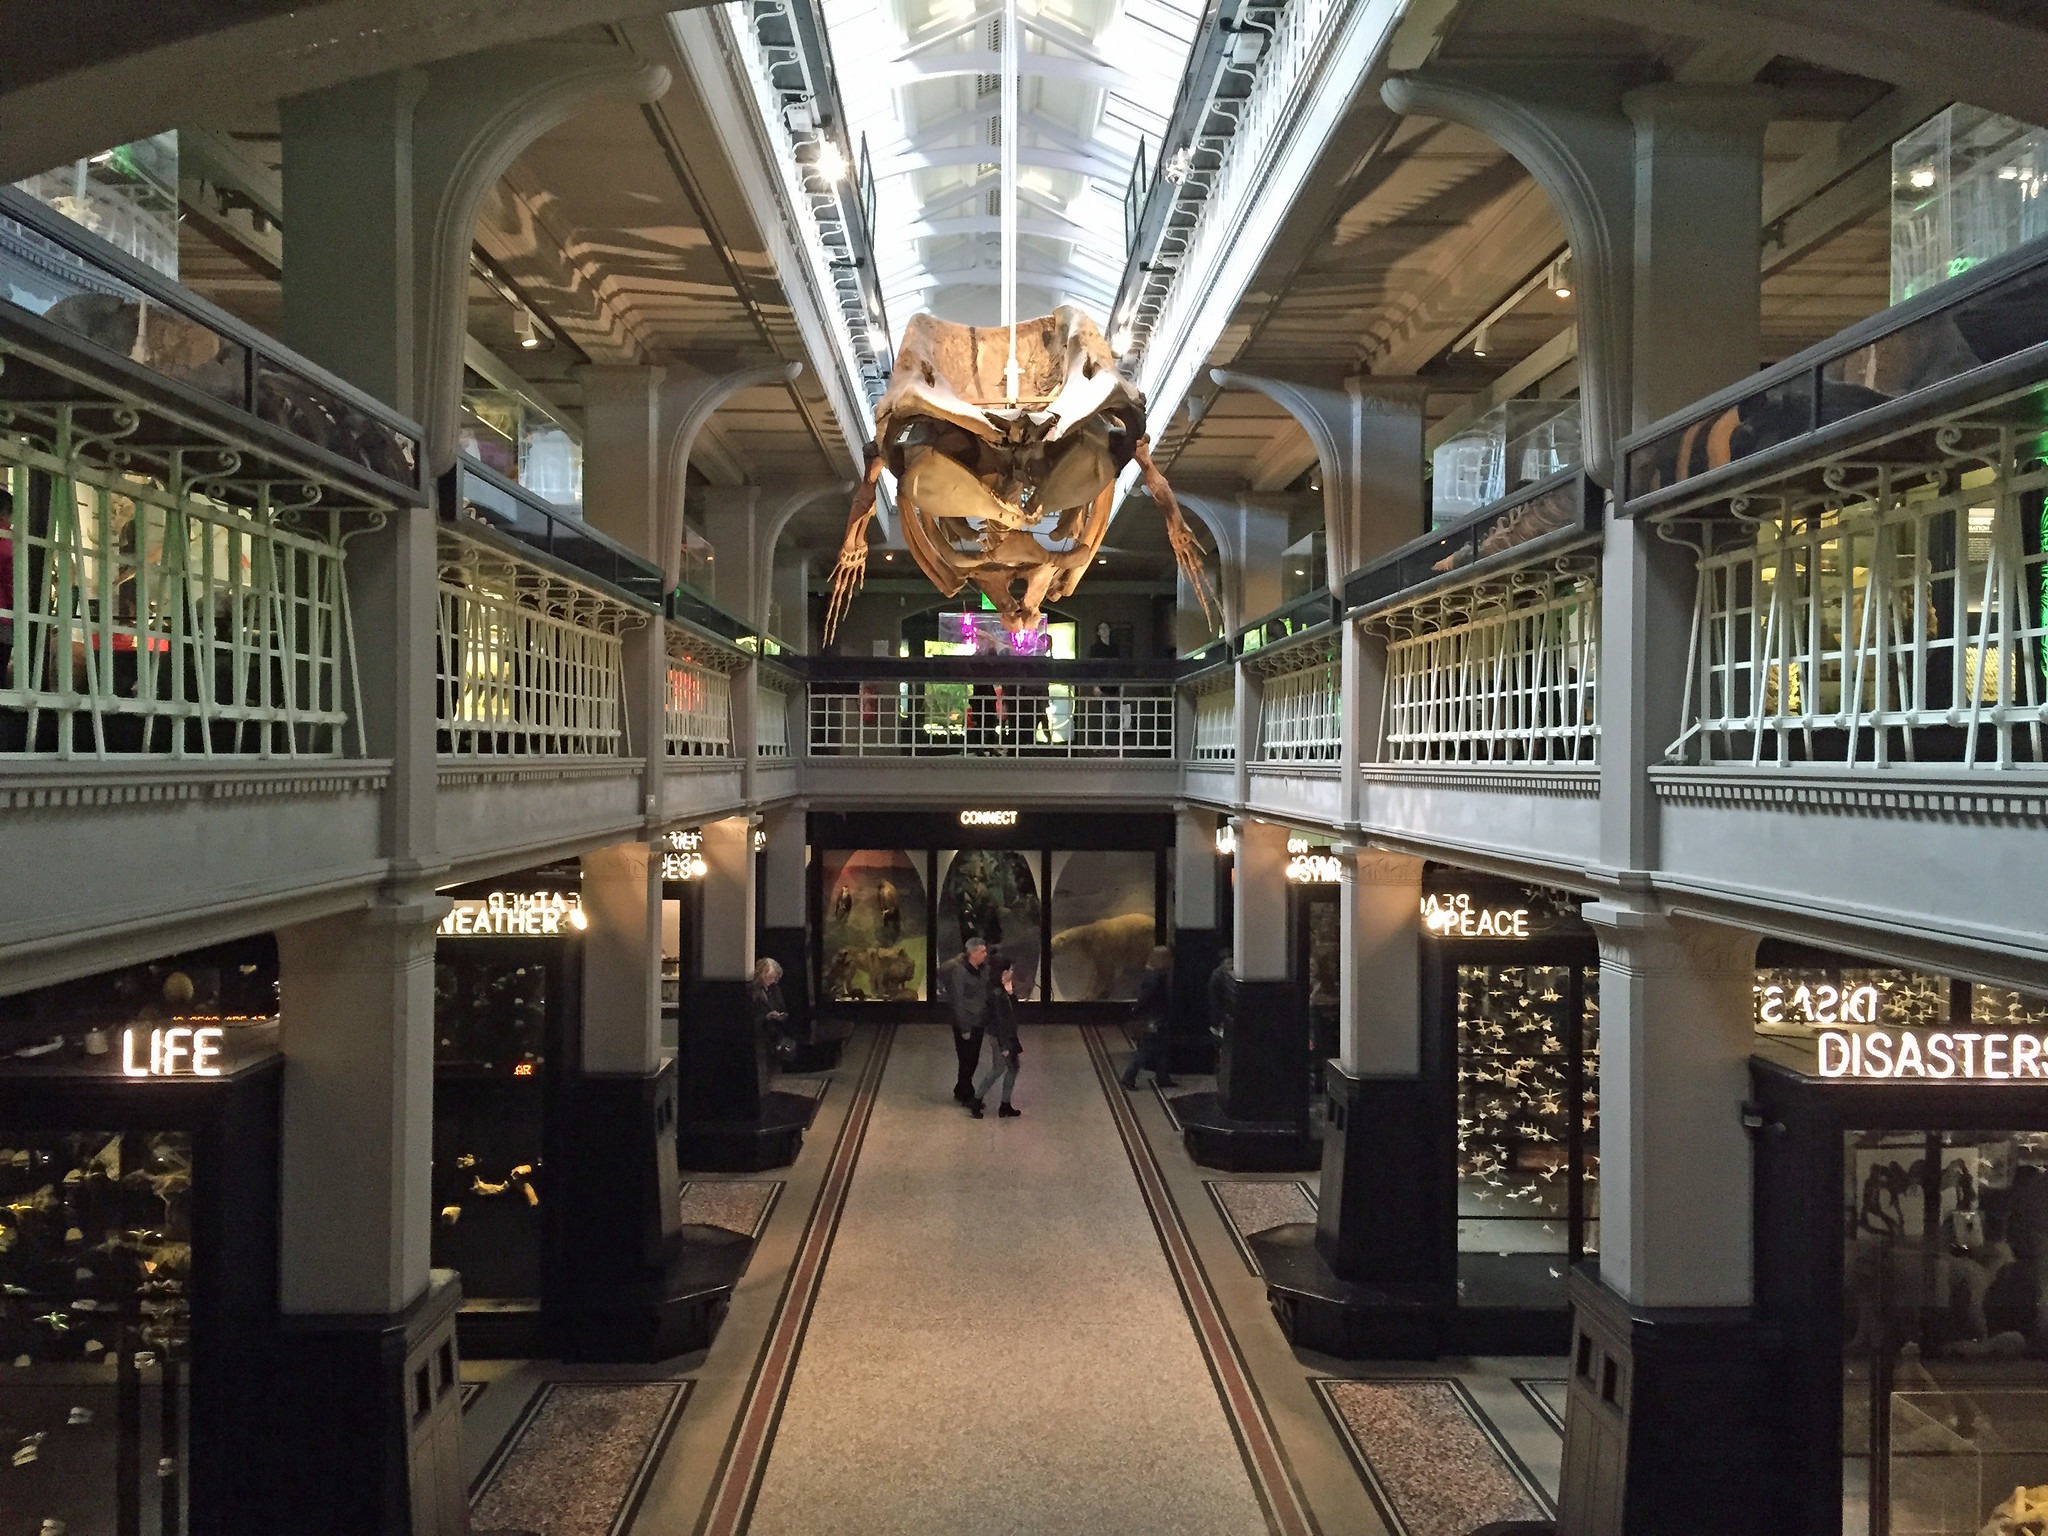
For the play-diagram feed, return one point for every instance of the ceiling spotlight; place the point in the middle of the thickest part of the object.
(1103, 561)
(1479, 343)
(831, 162)
(529, 337)
(1120, 340)
(1561, 276)
(888, 554)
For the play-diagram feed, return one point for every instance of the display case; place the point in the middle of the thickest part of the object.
(138, 1245)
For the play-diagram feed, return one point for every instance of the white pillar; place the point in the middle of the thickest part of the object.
(357, 999)
(622, 959)
(1194, 868)
(1675, 1042)
(1259, 935)
(728, 899)
(787, 867)
(1380, 1024)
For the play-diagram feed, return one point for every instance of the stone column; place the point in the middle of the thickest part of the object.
(722, 1058)
(730, 520)
(785, 932)
(362, 1314)
(1263, 1072)
(1198, 938)
(1385, 1210)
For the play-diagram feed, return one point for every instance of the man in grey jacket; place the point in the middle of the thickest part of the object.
(964, 983)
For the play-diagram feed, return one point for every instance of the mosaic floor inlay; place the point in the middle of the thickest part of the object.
(1258, 1205)
(575, 1465)
(735, 1205)
(1433, 1464)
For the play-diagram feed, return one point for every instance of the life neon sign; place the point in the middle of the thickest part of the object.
(179, 1051)
(1971, 1055)
(1454, 917)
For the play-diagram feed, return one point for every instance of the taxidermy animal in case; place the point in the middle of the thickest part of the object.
(994, 491)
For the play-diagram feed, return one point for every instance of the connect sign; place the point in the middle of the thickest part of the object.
(988, 818)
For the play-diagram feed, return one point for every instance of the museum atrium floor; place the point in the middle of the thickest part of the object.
(1042, 766)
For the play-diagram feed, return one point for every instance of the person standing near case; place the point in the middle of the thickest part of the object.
(1150, 1013)
(966, 981)
(1005, 1048)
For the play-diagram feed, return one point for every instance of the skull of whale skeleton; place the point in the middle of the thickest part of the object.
(995, 488)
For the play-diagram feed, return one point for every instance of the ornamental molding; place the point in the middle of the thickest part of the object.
(100, 788)
(541, 772)
(1920, 798)
(1281, 768)
(1577, 783)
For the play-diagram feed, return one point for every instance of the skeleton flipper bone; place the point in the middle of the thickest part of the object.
(1187, 553)
(852, 569)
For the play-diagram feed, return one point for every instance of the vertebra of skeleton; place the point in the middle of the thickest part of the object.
(993, 490)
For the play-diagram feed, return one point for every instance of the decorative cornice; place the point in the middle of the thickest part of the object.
(1881, 792)
(539, 772)
(98, 786)
(1577, 783)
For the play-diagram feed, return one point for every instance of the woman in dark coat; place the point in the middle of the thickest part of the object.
(1005, 1050)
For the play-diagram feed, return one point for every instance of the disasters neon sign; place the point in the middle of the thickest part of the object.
(1910, 1053)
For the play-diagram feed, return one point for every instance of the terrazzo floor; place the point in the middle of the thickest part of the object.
(999, 1330)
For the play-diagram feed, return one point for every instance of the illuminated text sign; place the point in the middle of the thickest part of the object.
(988, 818)
(684, 859)
(1454, 917)
(516, 915)
(1911, 1053)
(1819, 1003)
(1315, 869)
(176, 1051)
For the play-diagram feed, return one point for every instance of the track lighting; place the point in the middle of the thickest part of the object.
(529, 337)
(1561, 276)
(1479, 343)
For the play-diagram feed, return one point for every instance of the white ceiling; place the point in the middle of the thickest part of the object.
(919, 79)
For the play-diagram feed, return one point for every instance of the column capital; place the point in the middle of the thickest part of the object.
(1714, 115)
(1650, 943)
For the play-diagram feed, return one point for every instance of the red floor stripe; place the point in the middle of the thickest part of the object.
(739, 1479)
(1287, 1513)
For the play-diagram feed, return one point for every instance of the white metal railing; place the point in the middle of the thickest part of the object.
(159, 602)
(1302, 32)
(1298, 715)
(1895, 617)
(697, 715)
(771, 720)
(1503, 672)
(1041, 719)
(1216, 726)
(528, 663)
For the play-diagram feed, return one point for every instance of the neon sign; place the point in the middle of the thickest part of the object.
(516, 915)
(1822, 1004)
(1960, 1053)
(988, 818)
(1315, 869)
(685, 858)
(175, 1052)
(1454, 917)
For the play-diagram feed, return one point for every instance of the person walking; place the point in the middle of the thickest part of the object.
(1151, 1013)
(1005, 1048)
(966, 983)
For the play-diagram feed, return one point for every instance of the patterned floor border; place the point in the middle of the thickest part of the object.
(730, 1504)
(1272, 1477)
(1531, 1387)
(471, 1391)
(627, 1503)
(1382, 1496)
(1237, 1234)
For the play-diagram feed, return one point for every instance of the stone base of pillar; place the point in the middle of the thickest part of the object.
(1262, 1073)
(1385, 1213)
(1669, 1425)
(1191, 1047)
(728, 1118)
(623, 1282)
(366, 1422)
(1216, 1139)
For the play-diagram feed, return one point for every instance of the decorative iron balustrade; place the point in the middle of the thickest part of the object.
(1299, 719)
(1216, 722)
(698, 712)
(1897, 615)
(772, 691)
(168, 599)
(1228, 171)
(528, 663)
(1502, 671)
(1008, 717)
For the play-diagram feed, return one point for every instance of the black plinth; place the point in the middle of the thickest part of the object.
(1215, 1139)
(1346, 1318)
(821, 1052)
(1670, 1428)
(771, 1139)
(721, 1058)
(1190, 1046)
(1263, 1071)
(674, 1312)
(1386, 1212)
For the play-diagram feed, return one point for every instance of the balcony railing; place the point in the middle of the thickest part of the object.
(1216, 721)
(1299, 703)
(529, 664)
(1079, 710)
(699, 706)
(1503, 671)
(773, 689)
